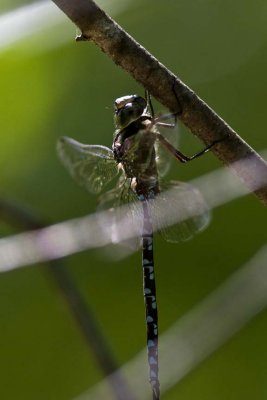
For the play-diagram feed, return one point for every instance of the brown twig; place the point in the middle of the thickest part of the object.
(99, 28)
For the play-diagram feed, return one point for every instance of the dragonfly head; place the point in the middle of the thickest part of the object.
(128, 109)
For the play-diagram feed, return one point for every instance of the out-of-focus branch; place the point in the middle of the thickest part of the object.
(16, 215)
(98, 27)
(90, 231)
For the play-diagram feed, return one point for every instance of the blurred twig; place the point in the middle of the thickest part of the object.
(18, 216)
(89, 232)
(99, 28)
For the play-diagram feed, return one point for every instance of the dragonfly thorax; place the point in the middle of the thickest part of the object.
(134, 150)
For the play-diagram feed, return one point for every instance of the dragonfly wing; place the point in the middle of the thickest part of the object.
(179, 212)
(92, 166)
(163, 157)
(126, 212)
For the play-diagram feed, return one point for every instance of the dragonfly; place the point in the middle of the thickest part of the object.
(138, 160)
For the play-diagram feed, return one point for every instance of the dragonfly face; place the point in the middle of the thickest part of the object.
(128, 109)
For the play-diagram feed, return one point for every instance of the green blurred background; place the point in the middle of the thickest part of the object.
(50, 88)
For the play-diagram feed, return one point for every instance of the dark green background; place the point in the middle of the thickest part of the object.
(219, 49)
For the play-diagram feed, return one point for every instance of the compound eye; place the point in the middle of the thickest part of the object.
(140, 103)
(124, 101)
(128, 109)
(125, 116)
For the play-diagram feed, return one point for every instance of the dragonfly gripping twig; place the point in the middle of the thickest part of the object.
(138, 163)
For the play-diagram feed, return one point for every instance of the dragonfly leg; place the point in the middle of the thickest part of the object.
(158, 121)
(179, 155)
(149, 103)
(180, 108)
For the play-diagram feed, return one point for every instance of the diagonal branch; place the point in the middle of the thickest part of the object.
(99, 28)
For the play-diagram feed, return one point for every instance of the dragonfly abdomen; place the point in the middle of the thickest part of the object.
(150, 300)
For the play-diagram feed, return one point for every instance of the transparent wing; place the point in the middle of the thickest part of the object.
(121, 195)
(127, 217)
(179, 212)
(92, 166)
(163, 157)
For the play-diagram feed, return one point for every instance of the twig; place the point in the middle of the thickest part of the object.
(99, 28)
